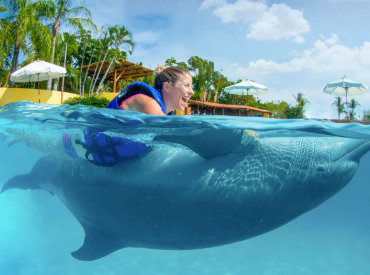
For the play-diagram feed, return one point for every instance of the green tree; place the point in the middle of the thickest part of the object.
(339, 106)
(301, 104)
(202, 81)
(172, 62)
(366, 116)
(297, 111)
(350, 112)
(22, 32)
(278, 109)
(219, 82)
(69, 42)
(3, 9)
(119, 41)
(3, 49)
(114, 43)
(63, 12)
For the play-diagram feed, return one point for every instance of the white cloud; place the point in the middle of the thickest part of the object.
(241, 10)
(280, 21)
(332, 40)
(299, 39)
(266, 23)
(211, 4)
(349, 1)
(326, 55)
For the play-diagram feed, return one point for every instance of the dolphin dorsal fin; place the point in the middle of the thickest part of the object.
(214, 142)
(97, 244)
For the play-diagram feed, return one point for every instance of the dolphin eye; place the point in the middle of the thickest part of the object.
(321, 170)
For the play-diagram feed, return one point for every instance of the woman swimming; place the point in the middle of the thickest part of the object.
(172, 91)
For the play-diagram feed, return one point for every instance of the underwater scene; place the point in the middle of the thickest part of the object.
(86, 190)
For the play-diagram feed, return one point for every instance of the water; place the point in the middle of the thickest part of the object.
(37, 232)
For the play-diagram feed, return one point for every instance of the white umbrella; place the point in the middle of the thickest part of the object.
(345, 87)
(38, 71)
(247, 87)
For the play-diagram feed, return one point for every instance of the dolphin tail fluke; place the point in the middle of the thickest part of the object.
(97, 244)
(20, 182)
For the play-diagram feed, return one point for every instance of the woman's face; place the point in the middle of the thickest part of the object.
(177, 94)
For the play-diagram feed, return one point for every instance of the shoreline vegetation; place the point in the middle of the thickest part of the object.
(62, 33)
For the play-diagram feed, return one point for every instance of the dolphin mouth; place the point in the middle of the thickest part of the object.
(356, 152)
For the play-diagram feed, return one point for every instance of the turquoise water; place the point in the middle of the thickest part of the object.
(37, 232)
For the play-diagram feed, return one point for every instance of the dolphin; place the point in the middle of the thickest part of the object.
(189, 193)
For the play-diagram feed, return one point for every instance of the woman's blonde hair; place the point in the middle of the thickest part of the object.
(167, 74)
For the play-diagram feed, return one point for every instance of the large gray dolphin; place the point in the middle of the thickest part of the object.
(185, 194)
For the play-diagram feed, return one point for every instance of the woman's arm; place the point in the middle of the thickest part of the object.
(143, 104)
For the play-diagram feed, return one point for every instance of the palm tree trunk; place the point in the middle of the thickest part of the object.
(215, 96)
(55, 34)
(14, 62)
(87, 71)
(101, 65)
(103, 78)
(92, 79)
(15, 58)
(55, 84)
(48, 86)
(82, 63)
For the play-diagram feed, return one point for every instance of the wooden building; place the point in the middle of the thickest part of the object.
(210, 108)
(123, 69)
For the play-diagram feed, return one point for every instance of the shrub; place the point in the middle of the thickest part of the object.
(366, 116)
(90, 101)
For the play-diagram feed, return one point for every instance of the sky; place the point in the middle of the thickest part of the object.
(288, 46)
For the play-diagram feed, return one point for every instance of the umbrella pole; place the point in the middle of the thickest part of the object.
(38, 85)
(247, 98)
(346, 88)
(65, 56)
(61, 94)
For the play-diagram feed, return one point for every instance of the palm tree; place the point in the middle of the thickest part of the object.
(339, 105)
(66, 45)
(115, 44)
(219, 82)
(3, 54)
(204, 70)
(2, 20)
(62, 12)
(302, 103)
(119, 38)
(352, 105)
(22, 31)
(366, 116)
(3, 9)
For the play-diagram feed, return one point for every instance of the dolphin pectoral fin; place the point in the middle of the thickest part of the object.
(97, 244)
(22, 182)
(214, 142)
(13, 141)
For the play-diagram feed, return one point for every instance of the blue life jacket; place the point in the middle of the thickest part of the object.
(134, 89)
(104, 150)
